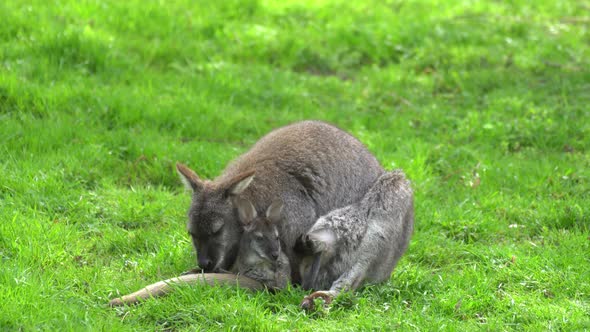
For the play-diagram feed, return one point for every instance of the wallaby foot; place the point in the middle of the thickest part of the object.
(308, 302)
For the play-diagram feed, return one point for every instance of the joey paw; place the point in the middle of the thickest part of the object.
(308, 302)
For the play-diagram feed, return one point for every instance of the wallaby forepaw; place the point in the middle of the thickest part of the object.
(308, 302)
(192, 271)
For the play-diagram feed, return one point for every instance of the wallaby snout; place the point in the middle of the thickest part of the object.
(205, 263)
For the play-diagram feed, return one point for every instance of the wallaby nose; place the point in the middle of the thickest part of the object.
(275, 254)
(205, 263)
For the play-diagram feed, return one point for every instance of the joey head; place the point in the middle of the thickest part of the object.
(260, 254)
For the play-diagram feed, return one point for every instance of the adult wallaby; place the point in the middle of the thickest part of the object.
(311, 166)
(359, 243)
(261, 255)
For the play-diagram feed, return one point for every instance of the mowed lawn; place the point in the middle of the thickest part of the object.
(484, 104)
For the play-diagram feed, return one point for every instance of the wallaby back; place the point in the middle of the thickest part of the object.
(311, 166)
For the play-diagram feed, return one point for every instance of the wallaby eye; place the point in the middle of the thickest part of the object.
(216, 227)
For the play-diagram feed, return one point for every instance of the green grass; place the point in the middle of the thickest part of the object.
(483, 104)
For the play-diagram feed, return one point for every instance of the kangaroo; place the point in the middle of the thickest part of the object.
(359, 243)
(261, 256)
(311, 166)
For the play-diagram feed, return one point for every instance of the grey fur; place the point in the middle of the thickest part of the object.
(261, 255)
(311, 166)
(361, 242)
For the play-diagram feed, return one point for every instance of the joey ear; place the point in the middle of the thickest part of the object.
(273, 213)
(189, 178)
(246, 211)
(239, 183)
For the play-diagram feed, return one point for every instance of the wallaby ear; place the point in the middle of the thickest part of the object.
(273, 213)
(246, 211)
(189, 178)
(239, 183)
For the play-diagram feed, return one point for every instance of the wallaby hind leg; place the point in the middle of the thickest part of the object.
(319, 244)
(348, 281)
(370, 249)
(309, 280)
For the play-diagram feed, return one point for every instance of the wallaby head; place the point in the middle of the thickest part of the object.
(261, 255)
(212, 218)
